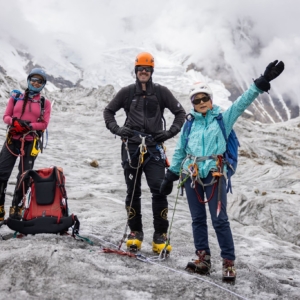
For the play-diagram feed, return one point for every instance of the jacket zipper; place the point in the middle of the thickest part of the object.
(203, 147)
(145, 111)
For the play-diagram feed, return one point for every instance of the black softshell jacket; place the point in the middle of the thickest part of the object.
(145, 113)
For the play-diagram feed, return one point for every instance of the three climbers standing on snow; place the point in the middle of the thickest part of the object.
(27, 116)
(198, 158)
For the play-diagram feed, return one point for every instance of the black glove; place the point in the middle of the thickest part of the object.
(166, 186)
(19, 127)
(164, 135)
(273, 70)
(121, 131)
(125, 132)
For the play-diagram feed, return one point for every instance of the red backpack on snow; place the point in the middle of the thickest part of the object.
(46, 207)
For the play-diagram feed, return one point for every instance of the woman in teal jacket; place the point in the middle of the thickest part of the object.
(201, 164)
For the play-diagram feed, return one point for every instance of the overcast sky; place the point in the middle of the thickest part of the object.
(201, 30)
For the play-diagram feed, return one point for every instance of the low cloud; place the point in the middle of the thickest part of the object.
(240, 36)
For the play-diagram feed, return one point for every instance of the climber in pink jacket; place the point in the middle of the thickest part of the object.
(27, 116)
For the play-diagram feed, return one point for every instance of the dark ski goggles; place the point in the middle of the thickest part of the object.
(38, 80)
(203, 99)
(141, 68)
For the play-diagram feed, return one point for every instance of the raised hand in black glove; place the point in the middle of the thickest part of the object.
(166, 186)
(273, 70)
(19, 127)
(121, 131)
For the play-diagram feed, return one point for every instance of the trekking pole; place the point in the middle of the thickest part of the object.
(163, 252)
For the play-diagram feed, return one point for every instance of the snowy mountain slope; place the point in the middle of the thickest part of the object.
(263, 211)
(115, 66)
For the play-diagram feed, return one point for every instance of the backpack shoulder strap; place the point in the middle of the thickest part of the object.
(187, 127)
(42, 104)
(15, 94)
(131, 93)
(157, 93)
(60, 182)
(222, 126)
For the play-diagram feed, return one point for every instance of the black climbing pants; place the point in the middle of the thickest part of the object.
(153, 167)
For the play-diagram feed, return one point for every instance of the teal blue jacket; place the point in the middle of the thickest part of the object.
(206, 136)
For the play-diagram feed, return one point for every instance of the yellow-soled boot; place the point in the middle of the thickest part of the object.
(2, 213)
(161, 242)
(134, 241)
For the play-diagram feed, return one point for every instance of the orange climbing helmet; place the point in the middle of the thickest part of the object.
(144, 59)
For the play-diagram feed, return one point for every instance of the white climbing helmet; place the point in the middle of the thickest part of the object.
(200, 87)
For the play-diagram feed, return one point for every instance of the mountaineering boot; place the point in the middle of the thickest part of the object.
(201, 265)
(161, 242)
(15, 212)
(229, 272)
(2, 213)
(134, 241)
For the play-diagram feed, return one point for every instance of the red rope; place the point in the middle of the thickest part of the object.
(219, 165)
(120, 252)
(22, 155)
(11, 151)
(199, 196)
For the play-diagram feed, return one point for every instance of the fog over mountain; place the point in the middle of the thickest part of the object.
(91, 44)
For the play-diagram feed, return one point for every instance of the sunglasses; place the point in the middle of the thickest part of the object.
(203, 99)
(38, 80)
(147, 69)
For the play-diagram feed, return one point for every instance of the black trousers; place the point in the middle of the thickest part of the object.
(7, 163)
(154, 170)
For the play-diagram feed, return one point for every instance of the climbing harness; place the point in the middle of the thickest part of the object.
(192, 172)
(141, 149)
